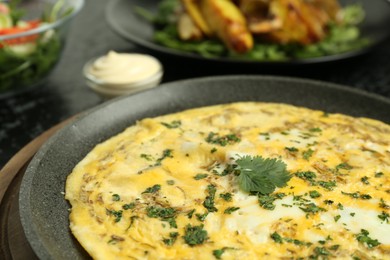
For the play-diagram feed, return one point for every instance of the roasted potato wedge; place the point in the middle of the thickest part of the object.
(187, 29)
(258, 17)
(302, 21)
(227, 22)
(192, 8)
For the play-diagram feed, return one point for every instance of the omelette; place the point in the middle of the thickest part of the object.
(245, 180)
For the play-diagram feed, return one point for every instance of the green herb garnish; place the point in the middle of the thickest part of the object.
(170, 182)
(201, 217)
(230, 210)
(116, 213)
(209, 201)
(164, 214)
(172, 238)
(344, 166)
(147, 157)
(365, 180)
(291, 149)
(116, 197)
(357, 195)
(200, 176)
(314, 194)
(311, 208)
(128, 206)
(173, 124)
(329, 185)
(363, 238)
(191, 213)
(266, 201)
(277, 238)
(384, 217)
(167, 153)
(195, 235)
(226, 196)
(378, 174)
(152, 189)
(219, 252)
(215, 138)
(307, 154)
(315, 130)
(319, 253)
(261, 175)
(383, 205)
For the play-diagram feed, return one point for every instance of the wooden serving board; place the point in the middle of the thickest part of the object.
(13, 243)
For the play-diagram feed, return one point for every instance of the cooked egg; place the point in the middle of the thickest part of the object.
(172, 187)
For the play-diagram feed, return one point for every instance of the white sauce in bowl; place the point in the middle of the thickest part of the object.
(124, 68)
(118, 74)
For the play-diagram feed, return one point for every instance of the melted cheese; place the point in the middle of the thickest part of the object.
(353, 154)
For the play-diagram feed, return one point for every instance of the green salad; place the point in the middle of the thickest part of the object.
(341, 36)
(27, 59)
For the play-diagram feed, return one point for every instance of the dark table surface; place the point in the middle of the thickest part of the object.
(64, 94)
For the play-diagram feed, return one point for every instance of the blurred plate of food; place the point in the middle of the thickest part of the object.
(253, 31)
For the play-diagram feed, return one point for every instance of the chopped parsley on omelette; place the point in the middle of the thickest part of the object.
(237, 181)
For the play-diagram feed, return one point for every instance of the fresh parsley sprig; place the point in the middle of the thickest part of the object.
(258, 174)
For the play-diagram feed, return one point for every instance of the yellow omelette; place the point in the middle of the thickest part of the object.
(237, 181)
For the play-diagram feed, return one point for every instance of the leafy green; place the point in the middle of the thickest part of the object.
(365, 180)
(22, 70)
(384, 217)
(311, 208)
(116, 197)
(219, 252)
(230, 210)
(353, 14)
(261, 175)
(164, 214)
(215, 138)
(200, 176)
(191, 213)
(378, 174)
(195, 235)
(116, 213)
(357, 195)
(15, 13)
(147, 157)
(291, 149)
(383, 205)
(319, 252)
(152, 189)
(307, 154)
(279, 239)
(170, 182)
(209, 203)
(226, 196)
(344, 166)
(173, 124)
(363, 238)
(314, 194)
(172, 238)
(307, 176)
(202, 217)
(128, 206)
(266, 200)
(329, 185)
(167, 153)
